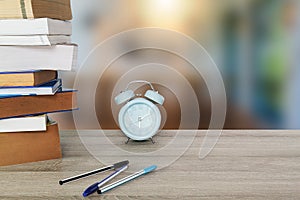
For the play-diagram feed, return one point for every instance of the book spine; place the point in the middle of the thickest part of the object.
(22, 9)
(30, 9)
(26, 9)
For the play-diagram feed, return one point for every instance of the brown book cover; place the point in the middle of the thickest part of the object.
(18, 148)
(28, 105)
(30, 9)
(30, 78)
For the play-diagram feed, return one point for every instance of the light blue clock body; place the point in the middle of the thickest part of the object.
(139, 119)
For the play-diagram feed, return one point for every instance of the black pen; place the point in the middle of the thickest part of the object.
(110, 167)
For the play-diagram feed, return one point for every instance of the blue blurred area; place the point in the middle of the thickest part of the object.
(262, 36)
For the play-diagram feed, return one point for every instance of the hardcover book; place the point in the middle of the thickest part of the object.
(25, 58)
(26, 78)
(34, 40)
(43, 26)
(18, 106)
(24, 147)
(49, 88)
(28, 9)
(23, 124)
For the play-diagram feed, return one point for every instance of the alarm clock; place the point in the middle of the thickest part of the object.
(139, 118)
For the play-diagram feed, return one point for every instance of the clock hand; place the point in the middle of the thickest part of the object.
(138, 121)
(146, 115)
(141, 118)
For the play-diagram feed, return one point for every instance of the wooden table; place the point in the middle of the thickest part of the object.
(243, 165)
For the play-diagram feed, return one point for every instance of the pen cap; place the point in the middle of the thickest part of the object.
(93, 188)
(149, 169)
(120, 164)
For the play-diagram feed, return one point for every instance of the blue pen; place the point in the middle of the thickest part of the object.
(126, 179)
(93, 188)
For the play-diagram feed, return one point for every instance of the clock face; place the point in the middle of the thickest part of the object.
(139, 119)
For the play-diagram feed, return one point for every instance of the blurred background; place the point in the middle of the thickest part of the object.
(255, 44)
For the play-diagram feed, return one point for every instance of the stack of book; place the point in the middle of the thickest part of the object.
(34, 45)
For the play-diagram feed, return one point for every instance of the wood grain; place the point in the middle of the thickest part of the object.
(243, 165)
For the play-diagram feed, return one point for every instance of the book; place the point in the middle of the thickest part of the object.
(49, 88)
(43, 26)
(23, 124)
(34, 40)
(24, 147)
(25, 58)
(18, 106)
(26, 78)
(28, 9)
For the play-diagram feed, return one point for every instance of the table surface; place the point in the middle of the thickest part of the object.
(242, 165)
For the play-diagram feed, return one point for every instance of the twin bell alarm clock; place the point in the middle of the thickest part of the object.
(139, 118)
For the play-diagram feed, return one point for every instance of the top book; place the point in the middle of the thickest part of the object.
(30, 9)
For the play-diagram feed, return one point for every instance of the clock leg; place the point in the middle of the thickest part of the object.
(152, 140)
(127, 141)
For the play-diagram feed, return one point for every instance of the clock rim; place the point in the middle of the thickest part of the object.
(127, 106)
